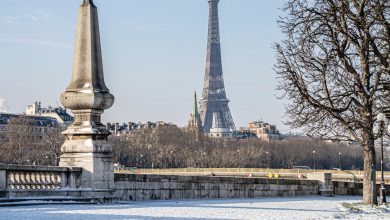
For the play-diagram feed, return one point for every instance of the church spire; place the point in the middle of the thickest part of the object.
(195, 110)
(195, 123)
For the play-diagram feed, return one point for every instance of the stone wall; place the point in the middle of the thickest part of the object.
(354, 189)
(164, 187)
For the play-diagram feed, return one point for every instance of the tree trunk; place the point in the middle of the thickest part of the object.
(369, 174)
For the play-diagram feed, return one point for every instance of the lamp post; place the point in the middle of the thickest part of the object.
(314, 159)
(170, 155)
(267, 159)
(340, 160)
(238, 152)
(204, 160)
(380, 130)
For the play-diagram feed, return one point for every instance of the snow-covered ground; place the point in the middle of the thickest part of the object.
(263, 208)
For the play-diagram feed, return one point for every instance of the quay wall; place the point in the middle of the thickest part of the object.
(164, 187)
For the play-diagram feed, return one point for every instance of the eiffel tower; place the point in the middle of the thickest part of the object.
(214, 108)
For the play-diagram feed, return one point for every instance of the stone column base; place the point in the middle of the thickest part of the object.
(98, 168)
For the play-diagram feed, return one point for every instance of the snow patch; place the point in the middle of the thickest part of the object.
(87, 91)
(358, 210)
(87, 130)
(310, 207)
(88, 143)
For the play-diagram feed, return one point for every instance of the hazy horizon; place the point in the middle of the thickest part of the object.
(154, 55)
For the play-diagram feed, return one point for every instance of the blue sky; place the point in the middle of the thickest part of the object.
(153, 53)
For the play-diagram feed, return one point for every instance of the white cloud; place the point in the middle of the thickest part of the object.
(3, 105)
(32, 15)
(36, 42)
(11, 19)
(42, 15)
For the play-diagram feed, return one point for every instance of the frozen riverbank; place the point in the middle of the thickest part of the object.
(263, 208)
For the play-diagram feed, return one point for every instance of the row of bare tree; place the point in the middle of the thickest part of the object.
(24, 142)
(172, 147)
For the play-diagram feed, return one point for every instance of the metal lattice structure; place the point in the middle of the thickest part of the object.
(214, 108)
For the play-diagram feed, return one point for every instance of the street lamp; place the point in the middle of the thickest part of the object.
(267, 159)
(203, 164)
(238, 152)
(380, 130)
(340, 160)
(314, 156)
(170, 155)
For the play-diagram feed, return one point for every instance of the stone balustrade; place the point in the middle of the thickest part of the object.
(30, 180)
(15, 179)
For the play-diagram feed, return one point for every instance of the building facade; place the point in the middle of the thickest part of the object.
(262, 130)
(33, 128)
(221, 133)
(59, 113)
(119, 129)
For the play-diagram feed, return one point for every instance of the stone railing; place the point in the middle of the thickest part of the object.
(21, 180)
(14, 178)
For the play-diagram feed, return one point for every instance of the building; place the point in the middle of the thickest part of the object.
(262, 130)
(119, 129)
(217, 131)
(220, 133)
(33, 128)
(195, 123)
(214, 108)
(59, 113)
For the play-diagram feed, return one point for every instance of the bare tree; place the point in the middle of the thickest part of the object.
(174, 148)
(19, 138)
(27, 141)
(52, 141)
(334, 69)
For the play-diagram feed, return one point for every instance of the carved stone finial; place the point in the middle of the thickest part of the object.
(88, 2)
(87, 96)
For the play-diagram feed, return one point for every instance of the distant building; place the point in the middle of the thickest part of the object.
(195, 123)
(59, 113)
(218, 131)
(244, 134)
(126, 128)
(35, 130)
(262, 130)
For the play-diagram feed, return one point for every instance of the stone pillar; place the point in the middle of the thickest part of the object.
(86, 144)
(3, 180)
(325, 183)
